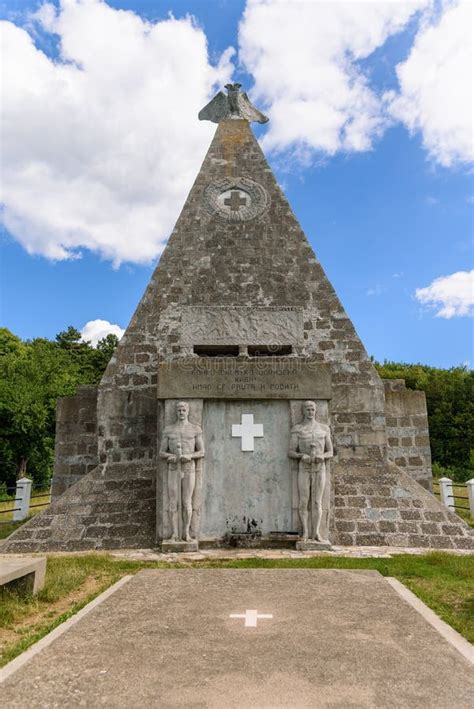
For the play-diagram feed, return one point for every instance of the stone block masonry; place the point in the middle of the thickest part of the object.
(408, 435)
(112, 507)
(383, 505)
(76, 452)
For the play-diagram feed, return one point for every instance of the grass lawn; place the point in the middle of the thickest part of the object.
(9, 527)
(443, 581)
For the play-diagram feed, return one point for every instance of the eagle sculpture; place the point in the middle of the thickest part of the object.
(235, 105)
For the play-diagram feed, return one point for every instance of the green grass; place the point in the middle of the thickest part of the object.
(7, 529)
(71, 582)
(443, 581)
(7, 515)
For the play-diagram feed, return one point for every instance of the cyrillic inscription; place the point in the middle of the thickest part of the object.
(229, 378)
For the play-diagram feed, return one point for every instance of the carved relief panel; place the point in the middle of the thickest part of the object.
(202, 325)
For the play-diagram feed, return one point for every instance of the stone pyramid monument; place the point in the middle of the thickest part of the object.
(240, 403)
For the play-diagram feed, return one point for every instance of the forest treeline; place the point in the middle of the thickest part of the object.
(34, 373)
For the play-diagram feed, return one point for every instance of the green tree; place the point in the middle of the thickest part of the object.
(70, 339)
(81, 354)
(33, 375)
(104, 351)
(31, 379)
(9, 343)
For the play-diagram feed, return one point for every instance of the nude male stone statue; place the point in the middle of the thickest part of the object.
(311, 445)
(181, 446)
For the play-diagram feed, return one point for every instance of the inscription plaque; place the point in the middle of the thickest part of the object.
(206, 325)
(228, 378)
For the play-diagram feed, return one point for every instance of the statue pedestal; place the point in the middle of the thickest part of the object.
(178, 545)
(312, 545)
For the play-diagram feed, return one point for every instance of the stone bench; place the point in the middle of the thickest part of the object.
(26, 573)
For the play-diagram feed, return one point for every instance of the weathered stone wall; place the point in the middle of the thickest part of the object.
(407, 430)
(383, 505)
(75, 452)
(127, 426)
(111, 507)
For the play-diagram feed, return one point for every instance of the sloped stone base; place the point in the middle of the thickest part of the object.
(110, 508)
(113, 507)
(383, 505)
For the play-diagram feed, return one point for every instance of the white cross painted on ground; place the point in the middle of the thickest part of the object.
(251, 617)
(247, 430)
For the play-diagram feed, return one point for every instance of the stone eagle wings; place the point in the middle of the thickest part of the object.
(235, 105)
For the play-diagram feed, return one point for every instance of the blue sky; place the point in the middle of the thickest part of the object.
(377, 170)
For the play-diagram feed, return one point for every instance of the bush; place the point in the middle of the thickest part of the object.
(4, 495)
(458, 475)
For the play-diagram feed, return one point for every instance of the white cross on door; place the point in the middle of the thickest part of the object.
(248, 431)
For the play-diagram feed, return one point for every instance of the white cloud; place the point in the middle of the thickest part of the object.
(102, 146)
(377, 290)
(436, 86)
(452, 295)
(303, 56)
(96, 330)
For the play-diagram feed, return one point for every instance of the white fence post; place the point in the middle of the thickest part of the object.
(470, 493)
(22, 499)
(446, 492)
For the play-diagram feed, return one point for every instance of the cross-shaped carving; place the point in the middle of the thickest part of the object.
(235, 201)
(248, 431)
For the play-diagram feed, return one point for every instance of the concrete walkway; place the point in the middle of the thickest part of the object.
(247, 638)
